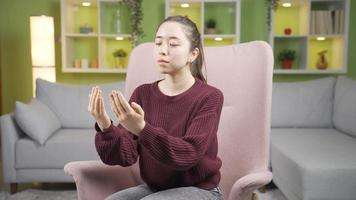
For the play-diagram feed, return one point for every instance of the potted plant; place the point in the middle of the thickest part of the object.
(210, 26)
(286, 57)
(119, 56)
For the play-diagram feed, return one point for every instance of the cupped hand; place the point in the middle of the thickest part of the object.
(131, 116)
(97, 109)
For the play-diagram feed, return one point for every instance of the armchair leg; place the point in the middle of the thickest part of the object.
(13, 188)
(263, 189)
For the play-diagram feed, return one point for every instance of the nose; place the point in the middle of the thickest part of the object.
(163, 49)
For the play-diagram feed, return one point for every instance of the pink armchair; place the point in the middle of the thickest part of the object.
(243, 72)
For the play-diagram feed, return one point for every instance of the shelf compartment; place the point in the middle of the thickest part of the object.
(299, 44)
(193, 12)
(334, 55)
(224, 15)
(110, 13)
(214, 40)
(109, 45)
(327, 17)
(79, 18)
(79, 48)
(294, 18)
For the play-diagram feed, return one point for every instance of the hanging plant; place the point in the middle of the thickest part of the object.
(270, 5)
(136, 17)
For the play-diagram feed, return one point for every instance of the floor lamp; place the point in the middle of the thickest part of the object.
(42, 49)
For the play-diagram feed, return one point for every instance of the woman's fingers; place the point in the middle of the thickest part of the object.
(90, 99)
(125, 105)
(94, 101)
(93, 96)
(117, 103)
(96, 104)
(100, 106)
(114, 107)
(137, 108)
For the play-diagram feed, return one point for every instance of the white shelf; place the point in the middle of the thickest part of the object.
(304, 71)
(290, 36)
(115, 35)
(82, 35)
(219, 35)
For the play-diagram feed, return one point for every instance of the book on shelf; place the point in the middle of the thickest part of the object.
(327, 22)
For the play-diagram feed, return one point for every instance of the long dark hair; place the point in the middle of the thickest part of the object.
(193, 35)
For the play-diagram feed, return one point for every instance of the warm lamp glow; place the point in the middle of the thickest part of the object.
(42, 49)
(184, 5)
(46, 73)
(42, 41)
(86, 4)
(287, 5)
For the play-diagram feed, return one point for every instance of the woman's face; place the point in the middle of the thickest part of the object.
(172, 48)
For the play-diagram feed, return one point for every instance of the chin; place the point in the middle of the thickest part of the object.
(162, 68)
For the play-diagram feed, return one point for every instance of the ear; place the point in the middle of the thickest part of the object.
(194, 54)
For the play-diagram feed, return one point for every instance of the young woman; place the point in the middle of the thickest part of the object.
(169, 125)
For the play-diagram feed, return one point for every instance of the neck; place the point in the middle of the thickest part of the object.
(173, 84)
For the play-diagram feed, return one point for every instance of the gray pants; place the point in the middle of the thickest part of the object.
(143, 192)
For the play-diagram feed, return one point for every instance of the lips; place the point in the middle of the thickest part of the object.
(162, 61)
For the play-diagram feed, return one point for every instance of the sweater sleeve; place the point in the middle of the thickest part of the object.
(116, 145)
(182, 153)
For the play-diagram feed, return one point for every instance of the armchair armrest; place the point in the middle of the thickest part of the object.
(95, 180)
(10, 133)
(243, 187)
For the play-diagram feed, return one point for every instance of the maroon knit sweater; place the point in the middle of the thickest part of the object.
(178, 146)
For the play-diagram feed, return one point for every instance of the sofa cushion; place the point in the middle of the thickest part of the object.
(309, 163)
(303, 104)
(70, 102)
(344, 117)
(36, 120)
(65, 145)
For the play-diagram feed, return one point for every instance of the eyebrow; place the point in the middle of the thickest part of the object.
(172, 37)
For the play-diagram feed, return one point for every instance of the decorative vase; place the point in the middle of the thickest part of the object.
(119, 62)
(322, 63)
(211, 31)
(94, 63)
(287, 64)
(287, 31)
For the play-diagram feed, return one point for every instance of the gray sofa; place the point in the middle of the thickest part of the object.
(40, 137)
(313, 139)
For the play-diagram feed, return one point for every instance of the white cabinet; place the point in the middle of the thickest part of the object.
(317, 30)
(92, 33)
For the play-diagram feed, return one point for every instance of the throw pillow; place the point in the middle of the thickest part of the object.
(36, 120)
(70, 102)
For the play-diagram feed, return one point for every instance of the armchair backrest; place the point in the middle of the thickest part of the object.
(243, 72)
